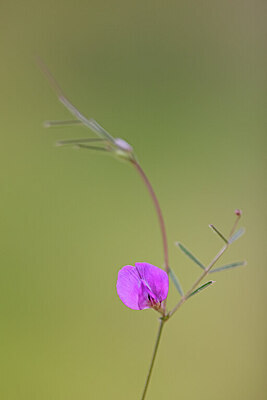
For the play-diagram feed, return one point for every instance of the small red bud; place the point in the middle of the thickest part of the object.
(238, 212)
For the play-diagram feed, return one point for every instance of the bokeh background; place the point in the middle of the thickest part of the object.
(185, 83)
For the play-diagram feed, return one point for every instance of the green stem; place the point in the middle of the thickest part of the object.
(235, 225)
(197, 282)
(153, 358)
(206, 270)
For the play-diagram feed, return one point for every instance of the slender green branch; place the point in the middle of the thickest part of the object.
(208, 268)
(238, 216)
(197, 282)
(153, 358)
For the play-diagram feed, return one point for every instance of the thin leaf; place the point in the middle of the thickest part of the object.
(50, 124)
(190, 255)
(237, 235)
(84, 146)
(218, 233)
(229, 266)
(90, 123)
(207, 284)
(176, 282)
(78, 141)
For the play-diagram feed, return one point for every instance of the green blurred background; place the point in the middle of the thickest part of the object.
(185, 83)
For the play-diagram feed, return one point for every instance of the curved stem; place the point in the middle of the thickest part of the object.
(158, 210)
(153, 358)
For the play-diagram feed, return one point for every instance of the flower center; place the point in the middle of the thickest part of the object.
(153, 303)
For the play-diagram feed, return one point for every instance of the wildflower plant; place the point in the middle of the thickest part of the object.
(144, 285)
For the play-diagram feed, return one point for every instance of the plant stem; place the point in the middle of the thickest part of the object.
(158, 210)
(197, 282)
(206, 270)
(153, 358)
(166, 262)
(235, 225)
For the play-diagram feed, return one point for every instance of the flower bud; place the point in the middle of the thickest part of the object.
(123, 145)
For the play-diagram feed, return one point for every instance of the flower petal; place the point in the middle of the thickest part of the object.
(156, 279)
(144, 296)
(128, 286)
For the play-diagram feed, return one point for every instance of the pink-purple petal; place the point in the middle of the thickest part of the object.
(128, 285)
(157, 280)
(143, 296)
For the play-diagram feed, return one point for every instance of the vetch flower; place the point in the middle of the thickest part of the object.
(142, 286)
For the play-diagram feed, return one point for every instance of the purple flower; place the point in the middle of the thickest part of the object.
(142, 286)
